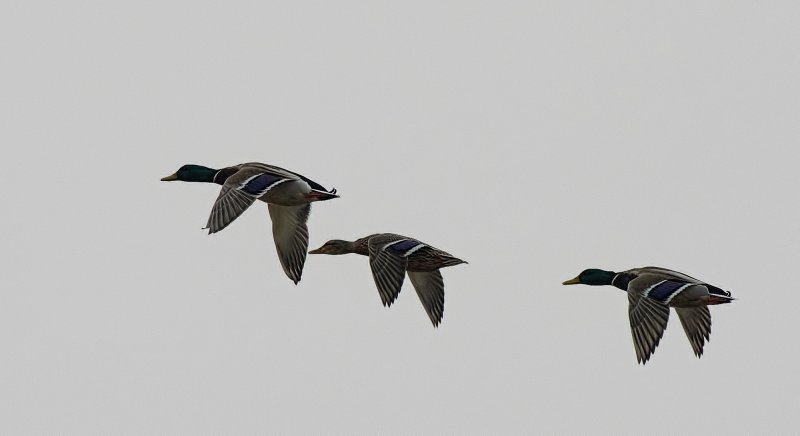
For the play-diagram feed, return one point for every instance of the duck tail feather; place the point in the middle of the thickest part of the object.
(719, 299)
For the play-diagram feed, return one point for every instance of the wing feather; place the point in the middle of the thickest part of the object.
(696, 322)
(430, 289)
(232, 200)
(291, 237)
(230, 203)
(388, 269)
(648, 320)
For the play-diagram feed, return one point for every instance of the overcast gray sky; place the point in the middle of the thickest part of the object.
(533, 139)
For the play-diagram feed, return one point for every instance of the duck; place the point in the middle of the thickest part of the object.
(288, 196)
(391, 256)
(651, 292)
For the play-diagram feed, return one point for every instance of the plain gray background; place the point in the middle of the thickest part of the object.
(533, 139)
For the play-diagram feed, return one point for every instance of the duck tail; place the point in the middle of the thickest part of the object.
(452, 261)
(717, 295)
(320, 195)
(718, 299)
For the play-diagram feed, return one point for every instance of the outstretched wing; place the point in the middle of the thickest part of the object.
(388, 265)
(648, 313)
(238, 192)
(648, 321)
(696, 322)
(430, 289)
(291, 237)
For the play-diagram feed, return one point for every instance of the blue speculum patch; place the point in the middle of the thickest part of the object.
(664, 290)
(403, 246)
(260, 184)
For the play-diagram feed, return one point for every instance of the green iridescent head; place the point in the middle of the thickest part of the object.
(593, 277)
(192, 173)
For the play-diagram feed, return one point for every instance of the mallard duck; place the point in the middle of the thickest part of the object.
(390, 257)
(288, 196)
(651, 292)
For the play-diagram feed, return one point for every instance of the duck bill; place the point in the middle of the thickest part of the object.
(170, 178)
(317, 251)
(575, 281)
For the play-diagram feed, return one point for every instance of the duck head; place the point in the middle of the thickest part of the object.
(192, 173)
(592, 277)
(334, 246)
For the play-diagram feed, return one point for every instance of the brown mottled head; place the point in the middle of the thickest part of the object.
(334, 246)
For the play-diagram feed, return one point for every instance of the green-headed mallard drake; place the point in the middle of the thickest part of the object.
(288, 196)
(651, 292)
(390, 257)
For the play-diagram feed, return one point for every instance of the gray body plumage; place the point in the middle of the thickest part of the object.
(420, 260)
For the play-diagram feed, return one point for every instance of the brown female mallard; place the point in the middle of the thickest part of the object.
(390, 257)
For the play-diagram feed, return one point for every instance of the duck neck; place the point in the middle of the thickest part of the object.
(359, 246)
(222, 175)
(621, 280)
